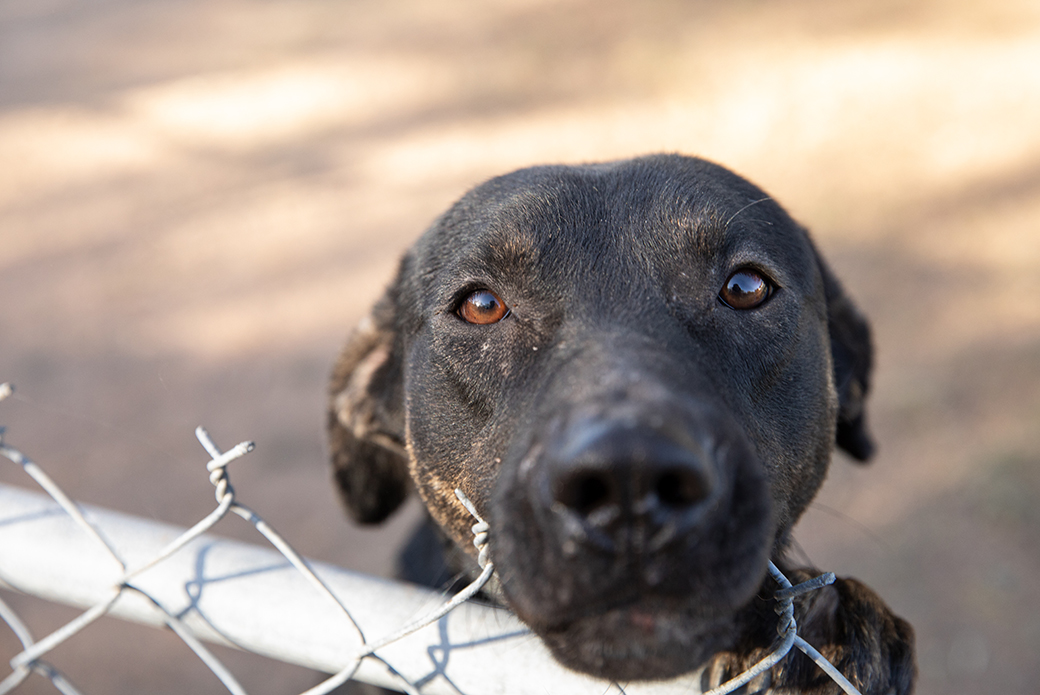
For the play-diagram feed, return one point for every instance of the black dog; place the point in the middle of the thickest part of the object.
(637, 372)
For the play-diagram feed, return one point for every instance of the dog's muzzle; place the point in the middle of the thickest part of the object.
(630, 529)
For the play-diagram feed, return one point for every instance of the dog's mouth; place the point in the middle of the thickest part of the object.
(647, 640)
(631, 632)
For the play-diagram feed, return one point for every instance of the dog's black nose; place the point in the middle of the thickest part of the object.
(627, 487)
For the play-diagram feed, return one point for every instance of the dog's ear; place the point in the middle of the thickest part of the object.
(366, 417)
(853, 356)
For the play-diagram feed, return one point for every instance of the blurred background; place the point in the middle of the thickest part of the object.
(199, 198)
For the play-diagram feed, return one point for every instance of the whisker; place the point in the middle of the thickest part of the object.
(749, 205)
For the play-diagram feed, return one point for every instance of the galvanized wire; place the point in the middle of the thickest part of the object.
(30, 659)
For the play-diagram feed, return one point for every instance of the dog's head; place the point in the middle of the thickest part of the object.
(636, 371)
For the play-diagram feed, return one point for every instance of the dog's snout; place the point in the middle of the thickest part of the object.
(631, 483)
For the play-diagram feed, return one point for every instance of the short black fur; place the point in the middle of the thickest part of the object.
(640, 448)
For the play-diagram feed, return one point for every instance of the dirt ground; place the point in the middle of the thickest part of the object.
(199, 198)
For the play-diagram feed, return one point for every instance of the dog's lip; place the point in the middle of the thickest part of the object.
(641, 640)
(606, 625)
(641, 614)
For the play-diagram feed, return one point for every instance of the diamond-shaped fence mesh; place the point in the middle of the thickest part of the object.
(275, 603)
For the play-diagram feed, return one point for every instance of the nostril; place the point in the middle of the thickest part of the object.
(678, 488)
(585, 492)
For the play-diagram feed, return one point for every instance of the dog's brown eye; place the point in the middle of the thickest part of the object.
(483, 307)
(745, 289)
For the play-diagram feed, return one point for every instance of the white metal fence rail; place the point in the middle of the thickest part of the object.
(274, 603)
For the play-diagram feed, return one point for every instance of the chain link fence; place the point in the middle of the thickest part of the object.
(275, 603)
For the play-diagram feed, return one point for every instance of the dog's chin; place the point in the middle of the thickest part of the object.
(639, 642)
